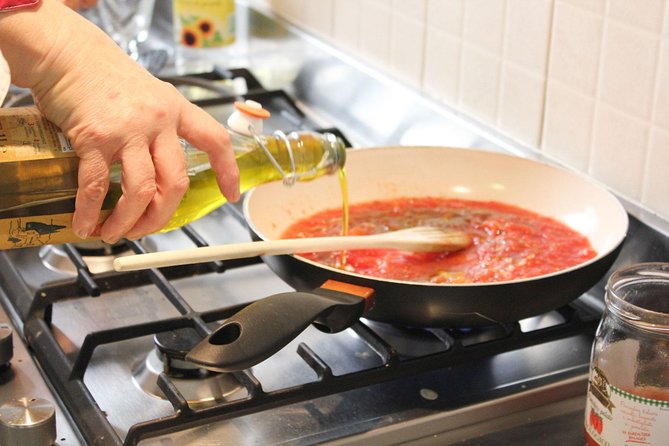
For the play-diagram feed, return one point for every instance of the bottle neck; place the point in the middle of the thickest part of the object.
(296, 156)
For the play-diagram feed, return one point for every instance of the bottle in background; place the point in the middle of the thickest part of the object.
(205, 34)
(39, 170)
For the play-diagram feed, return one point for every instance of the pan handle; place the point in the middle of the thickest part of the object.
(266, 326)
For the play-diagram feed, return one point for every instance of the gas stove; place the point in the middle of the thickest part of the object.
(100, 354)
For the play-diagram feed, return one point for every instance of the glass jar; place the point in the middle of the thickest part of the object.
(628, 390)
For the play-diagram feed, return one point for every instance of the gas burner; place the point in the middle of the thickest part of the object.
(201, 389)
(99, 256)
(408, 341)
(197, 385)
(173, 347)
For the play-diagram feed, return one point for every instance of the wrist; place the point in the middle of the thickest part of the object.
(40, 43)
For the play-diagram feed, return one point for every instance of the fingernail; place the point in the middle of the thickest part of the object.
(111, 240)
(82, 233)
(235, 195)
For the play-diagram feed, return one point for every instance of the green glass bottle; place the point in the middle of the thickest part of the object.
(38, 172)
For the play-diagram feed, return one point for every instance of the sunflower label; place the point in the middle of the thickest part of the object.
(201, 24)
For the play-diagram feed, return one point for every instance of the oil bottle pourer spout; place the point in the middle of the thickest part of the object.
(248, 115)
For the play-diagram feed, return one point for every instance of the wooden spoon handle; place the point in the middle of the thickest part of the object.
(250, 249)
(408, 239)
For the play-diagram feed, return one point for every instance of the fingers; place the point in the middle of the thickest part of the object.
(93, 182)
(204, 132)
(138, 187)
(153, 183)
(171, 184)
(153, 168)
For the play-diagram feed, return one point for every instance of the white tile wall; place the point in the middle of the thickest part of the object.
(628, 68)
(483, 24)
(576, 42)
(618, 149)
(584, 81)
(441, 74)
(407, 45)
(525, 59)
(375, 32)
(346, 29)
(568, 120)
(656, 180)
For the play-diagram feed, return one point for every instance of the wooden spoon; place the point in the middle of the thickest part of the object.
(418, 239)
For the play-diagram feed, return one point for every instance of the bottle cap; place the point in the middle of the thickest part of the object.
(248, 114)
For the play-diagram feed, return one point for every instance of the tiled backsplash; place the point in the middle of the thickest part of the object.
(586, 82)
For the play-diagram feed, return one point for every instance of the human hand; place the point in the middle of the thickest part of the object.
(113, 110)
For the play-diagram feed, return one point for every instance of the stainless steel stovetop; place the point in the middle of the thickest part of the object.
(85, 338)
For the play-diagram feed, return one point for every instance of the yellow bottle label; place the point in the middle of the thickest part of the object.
(204, 23)
(38, 230)
(32, 152)
(26, 134)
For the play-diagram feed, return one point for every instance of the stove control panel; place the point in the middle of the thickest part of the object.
(29, 414)
(6, 346)
(27, 421)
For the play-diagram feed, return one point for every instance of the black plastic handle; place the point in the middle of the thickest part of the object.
(264, 327)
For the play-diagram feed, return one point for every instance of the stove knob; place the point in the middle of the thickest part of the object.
(27, 421)
(6, 346)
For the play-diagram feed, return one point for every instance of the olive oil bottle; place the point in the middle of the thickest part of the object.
(38, 172)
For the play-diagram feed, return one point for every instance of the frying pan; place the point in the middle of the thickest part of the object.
(392, 172)
(395, 172)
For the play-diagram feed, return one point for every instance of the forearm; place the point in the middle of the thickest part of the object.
(61, 57)
(42, 42)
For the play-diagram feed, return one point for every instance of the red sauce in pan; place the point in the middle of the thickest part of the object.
(508, 242)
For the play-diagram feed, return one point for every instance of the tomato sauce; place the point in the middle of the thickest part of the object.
(508, 242)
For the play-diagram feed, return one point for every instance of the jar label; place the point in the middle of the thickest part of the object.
(614, 416)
